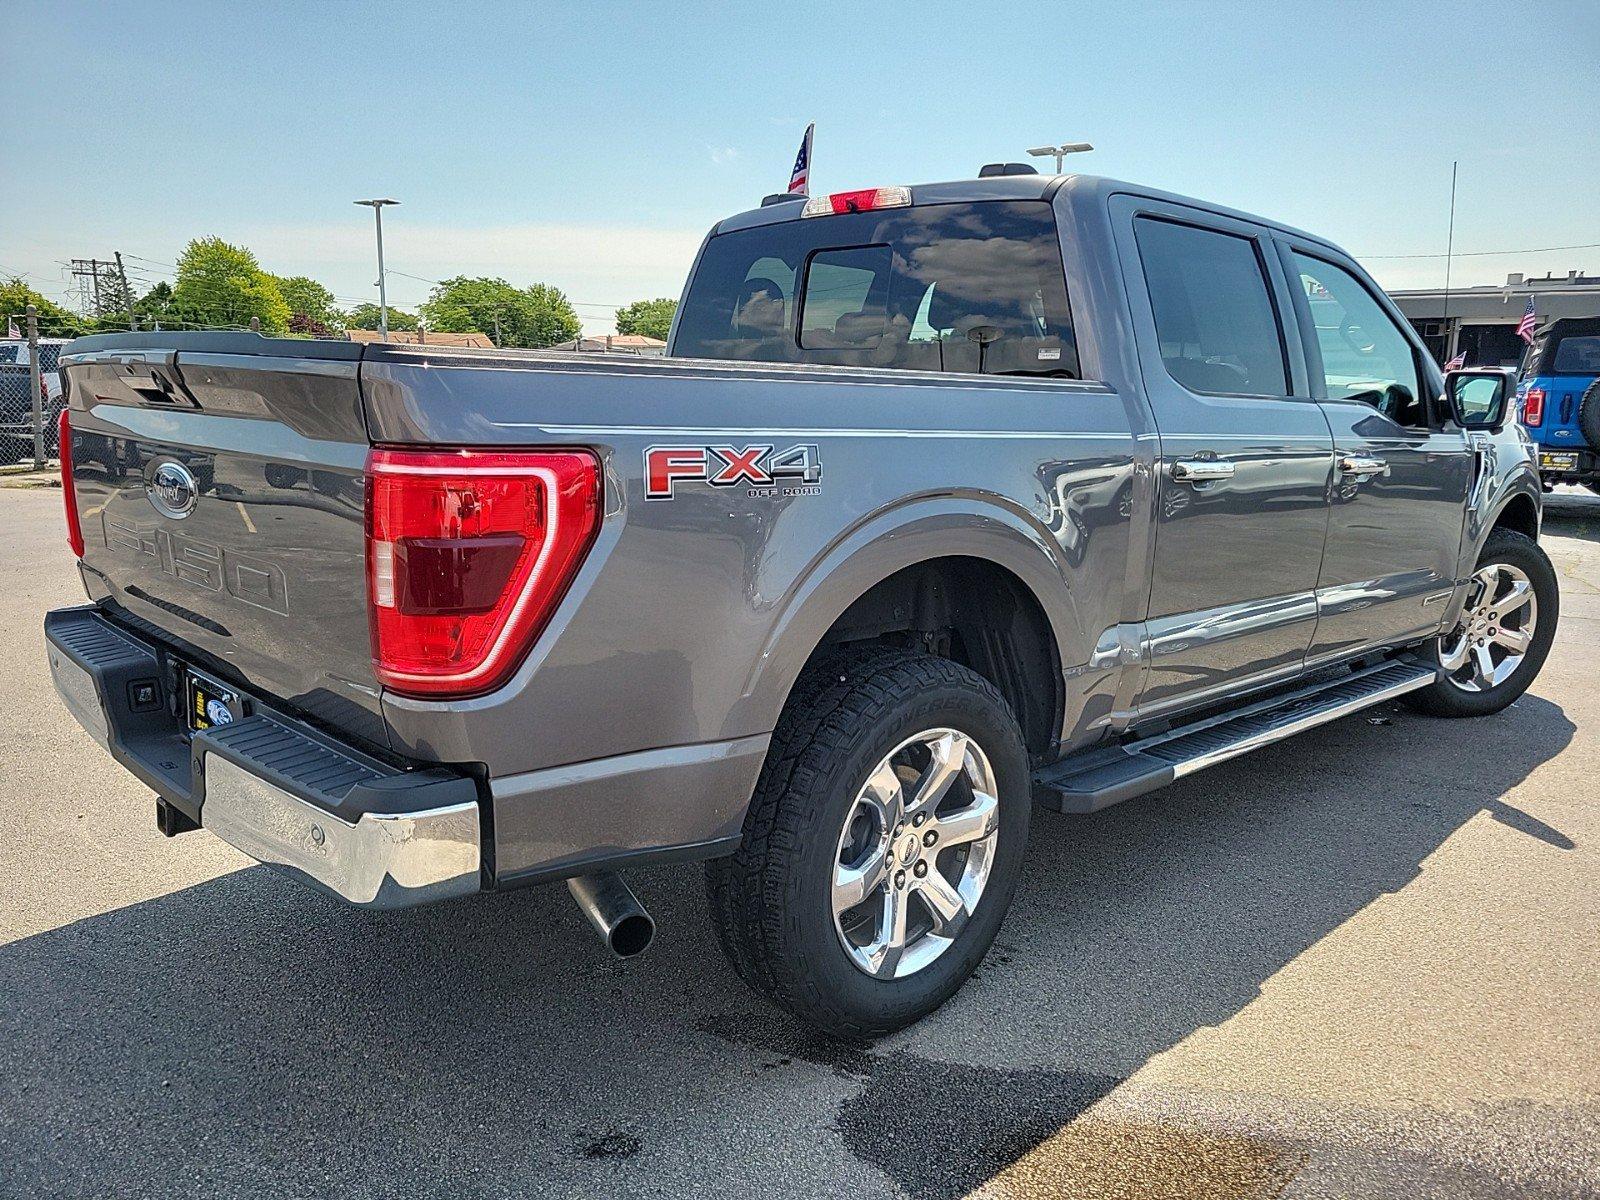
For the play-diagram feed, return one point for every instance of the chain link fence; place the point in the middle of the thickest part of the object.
(30, 392)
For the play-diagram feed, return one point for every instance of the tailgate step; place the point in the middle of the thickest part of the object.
(1097, 780)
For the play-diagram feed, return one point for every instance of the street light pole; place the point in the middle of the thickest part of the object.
(1060, 152)
(383, 287)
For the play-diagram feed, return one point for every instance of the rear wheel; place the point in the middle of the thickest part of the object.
(1503, 635)
(883, 843)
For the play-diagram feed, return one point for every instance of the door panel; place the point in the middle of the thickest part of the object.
(1393, 536)
(1400, 480)
(1242, 479)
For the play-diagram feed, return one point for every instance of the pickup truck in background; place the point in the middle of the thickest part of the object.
(1559, 399)
(948, 500)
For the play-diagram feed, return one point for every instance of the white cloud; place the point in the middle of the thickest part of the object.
(722, 154)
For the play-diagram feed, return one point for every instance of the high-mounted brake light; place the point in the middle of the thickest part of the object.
(1533, 407)
(864, 200)
(69, 493)
(468, 554)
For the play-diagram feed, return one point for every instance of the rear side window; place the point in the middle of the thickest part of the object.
(948, 287)
(1577, 356)
(1214, 316)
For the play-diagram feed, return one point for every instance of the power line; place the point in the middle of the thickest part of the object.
(1490, 253)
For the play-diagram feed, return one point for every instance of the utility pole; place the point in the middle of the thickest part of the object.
(1449, 251)
(127, 292)
(36, 385)
(383, 289)
(102, 286)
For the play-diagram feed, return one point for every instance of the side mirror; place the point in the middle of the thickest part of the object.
(1478, 397)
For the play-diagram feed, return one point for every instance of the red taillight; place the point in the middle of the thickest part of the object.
(468, 553)
(69, 494)
(1533, 407)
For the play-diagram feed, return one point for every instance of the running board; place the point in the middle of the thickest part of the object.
(1105, 777)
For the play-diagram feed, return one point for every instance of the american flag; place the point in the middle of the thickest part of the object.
(1529, 320)
(11, 328)
(1456, 363)
(800, 177)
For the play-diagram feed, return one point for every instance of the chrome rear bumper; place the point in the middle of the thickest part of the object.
(287, 795)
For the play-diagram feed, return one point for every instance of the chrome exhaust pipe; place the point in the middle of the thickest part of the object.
(614, 911)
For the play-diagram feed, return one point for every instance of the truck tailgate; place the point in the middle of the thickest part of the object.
(221, 499)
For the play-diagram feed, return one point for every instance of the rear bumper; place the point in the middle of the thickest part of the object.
(283, 793)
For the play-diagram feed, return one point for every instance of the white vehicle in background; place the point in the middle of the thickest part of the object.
(16, 396)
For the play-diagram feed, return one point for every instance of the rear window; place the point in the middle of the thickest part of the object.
(948, 287)
(1577, 356)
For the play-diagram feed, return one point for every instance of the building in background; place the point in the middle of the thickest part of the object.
(423, 337)
(616, 343)
(1482, 321)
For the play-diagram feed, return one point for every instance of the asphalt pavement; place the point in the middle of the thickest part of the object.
(1360, 963)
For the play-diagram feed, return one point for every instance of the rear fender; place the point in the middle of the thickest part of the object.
(887, 542)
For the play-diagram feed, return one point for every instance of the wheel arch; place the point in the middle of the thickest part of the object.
(947, 577)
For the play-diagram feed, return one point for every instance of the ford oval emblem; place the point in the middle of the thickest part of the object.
(172, 490)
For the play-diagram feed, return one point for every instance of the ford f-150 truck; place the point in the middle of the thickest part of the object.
(948, 500)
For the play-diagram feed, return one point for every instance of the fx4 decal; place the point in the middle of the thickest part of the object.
(793, 472)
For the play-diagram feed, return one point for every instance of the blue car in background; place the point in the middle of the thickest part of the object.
(1559, 398)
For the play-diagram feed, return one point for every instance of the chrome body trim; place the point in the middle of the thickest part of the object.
(381, 861)
(78, 692)
(1280, 732)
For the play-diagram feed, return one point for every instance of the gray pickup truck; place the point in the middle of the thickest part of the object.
(947, 500)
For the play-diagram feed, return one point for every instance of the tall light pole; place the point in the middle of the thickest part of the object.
(383, 288)
(1060, 152)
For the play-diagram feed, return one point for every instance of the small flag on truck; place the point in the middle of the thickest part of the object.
(1529, 320)
(800, 177)
(1457, 363)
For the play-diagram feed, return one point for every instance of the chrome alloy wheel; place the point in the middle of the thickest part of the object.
(915, 853)
(1495, 631)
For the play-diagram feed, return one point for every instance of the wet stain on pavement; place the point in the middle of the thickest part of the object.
(939, 1130)
(936, 1129)
(612, 1144)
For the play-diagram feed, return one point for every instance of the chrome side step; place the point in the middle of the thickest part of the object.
(1105, 777)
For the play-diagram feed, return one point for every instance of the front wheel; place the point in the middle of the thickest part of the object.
(1503, 635)
(882, 846)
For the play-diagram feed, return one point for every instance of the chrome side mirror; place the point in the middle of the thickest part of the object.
(1479, 396)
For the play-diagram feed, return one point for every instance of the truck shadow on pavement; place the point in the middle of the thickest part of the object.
(246, 1036)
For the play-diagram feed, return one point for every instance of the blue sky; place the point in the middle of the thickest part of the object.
(590, 146)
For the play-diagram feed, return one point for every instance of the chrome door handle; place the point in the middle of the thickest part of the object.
(1361, 466)
(1200, 470)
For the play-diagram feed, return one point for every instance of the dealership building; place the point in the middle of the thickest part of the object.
(1482, 321)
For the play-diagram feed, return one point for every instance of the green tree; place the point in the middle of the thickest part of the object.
(54, 321)
(223, 284)
(155, 305)
(651, 318)
(311, 306)
(365, 316)
(534, 316)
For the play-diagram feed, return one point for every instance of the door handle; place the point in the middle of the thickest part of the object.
(1201, 470)
(1361, 466)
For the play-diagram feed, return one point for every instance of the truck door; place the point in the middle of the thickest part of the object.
(1245, 454)
(1401, 479)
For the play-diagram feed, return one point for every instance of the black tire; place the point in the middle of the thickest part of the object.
(1589, 414)
(1444, 698)
(771, 900)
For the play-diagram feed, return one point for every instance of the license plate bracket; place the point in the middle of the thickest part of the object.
(208, 703)
(1559, 461)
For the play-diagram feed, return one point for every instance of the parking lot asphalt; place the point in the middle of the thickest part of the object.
(1360, 963)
